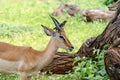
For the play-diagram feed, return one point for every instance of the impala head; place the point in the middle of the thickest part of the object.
(114, 6)
(58, 35)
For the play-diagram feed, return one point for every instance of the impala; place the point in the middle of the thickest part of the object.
(25, 61)
(94, 14)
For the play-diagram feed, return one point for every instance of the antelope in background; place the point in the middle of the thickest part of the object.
(70, 9)
(94, 14)
(89, 14)
(25, 61)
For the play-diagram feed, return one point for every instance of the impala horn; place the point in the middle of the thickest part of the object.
(57, 24)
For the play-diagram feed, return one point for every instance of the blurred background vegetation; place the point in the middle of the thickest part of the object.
(20, 24)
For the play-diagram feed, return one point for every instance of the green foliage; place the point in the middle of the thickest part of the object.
(20, 24)
(8, 77)
(89, 69)
(10, 31)
(28, 13)
(107, 2)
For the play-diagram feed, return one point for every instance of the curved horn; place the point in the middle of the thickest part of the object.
(57, 24)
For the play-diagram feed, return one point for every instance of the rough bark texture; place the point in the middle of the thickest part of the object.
(112, 60)
(63, 62)
(112, 63)
(110, 34)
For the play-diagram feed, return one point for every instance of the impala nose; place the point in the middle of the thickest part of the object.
(71, 48)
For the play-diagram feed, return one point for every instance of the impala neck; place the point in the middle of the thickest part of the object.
(51, 47)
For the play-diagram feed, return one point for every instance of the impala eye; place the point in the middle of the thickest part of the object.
(61, 37)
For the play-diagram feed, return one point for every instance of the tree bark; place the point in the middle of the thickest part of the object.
(112, 63)
(107, 37)
(63, 62)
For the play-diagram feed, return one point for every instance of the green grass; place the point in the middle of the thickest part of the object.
(20, 23)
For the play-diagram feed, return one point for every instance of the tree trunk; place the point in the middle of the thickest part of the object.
(112, 63)
(63, 62)
(107, 37)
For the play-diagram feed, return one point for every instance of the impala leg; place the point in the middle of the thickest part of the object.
(23, 76)
(36, 76)
(29, 78)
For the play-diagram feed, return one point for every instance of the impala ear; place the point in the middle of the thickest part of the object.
(63, 23)
(48, 31)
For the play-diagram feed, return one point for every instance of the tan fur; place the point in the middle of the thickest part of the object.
(26, 61)
(94, 14)
(14, 53)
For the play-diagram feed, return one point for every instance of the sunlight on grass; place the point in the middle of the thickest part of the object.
(20, 22)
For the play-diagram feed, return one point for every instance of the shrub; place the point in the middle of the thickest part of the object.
(89, 69)
(107, 2)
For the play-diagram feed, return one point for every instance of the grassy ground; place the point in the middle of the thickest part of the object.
(20, 23)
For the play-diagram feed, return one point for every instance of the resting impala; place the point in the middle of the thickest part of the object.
(25, 61)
